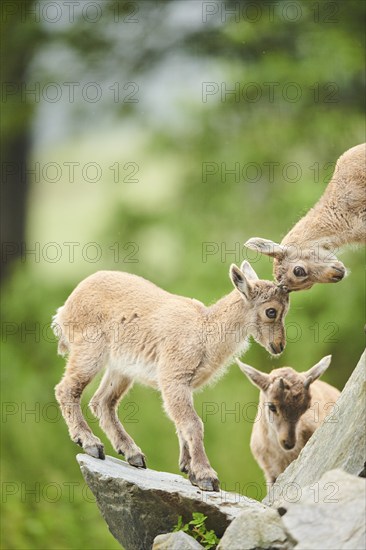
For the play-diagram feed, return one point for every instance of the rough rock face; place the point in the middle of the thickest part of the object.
(339, 443)
(329, 514)
(140, 504)
(176, 541)
(256, 530)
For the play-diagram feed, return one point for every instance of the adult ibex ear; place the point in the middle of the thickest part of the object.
(317, 370)
(240, 281)
(248, 271)
(259, 379)
(267, 247)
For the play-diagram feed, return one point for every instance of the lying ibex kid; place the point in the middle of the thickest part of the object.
(140, 332)
(291, 407)
(306, 254)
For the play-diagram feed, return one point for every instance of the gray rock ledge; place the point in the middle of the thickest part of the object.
(329, 514)
(140, 504)
(176, 541)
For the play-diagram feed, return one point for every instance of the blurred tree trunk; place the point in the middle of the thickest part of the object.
(20, 38)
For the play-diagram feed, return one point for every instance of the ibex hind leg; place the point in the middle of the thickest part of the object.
(80, 370)
(104, 405)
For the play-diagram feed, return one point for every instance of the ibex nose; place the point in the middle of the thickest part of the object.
(339, 273)
(288, 445)
(276, 348)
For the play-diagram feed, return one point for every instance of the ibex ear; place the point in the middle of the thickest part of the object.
(266, 247)
(248, 271)
(259, 379)
(240, 281)
(317, 370)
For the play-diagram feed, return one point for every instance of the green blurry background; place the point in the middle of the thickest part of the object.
(161, 130)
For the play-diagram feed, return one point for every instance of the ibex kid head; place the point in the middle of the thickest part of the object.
(300, 268)
(287, 396)
(268, 304)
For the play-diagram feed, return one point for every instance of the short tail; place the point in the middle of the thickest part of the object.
(56, 325)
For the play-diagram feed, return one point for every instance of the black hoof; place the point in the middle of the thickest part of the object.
(205, 484)
(209, 484)
(97, 451)
(192, 479)
(137, 460)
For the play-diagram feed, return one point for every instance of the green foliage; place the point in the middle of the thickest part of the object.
(197, 529)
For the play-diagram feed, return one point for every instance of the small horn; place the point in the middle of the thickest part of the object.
(307, 382)
(282, 384)
(284, 288)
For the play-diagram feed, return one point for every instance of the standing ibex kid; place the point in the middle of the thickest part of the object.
(140, 332)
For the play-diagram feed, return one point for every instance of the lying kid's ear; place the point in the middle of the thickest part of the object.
(240, 281)
(248, 271)
(317, 370)
(259, 379)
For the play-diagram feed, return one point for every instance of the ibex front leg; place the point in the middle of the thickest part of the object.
(178, 403)
(184, 456)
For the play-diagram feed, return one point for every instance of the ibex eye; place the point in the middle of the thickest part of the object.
(299, 271)
(272, 407)
(271, 313)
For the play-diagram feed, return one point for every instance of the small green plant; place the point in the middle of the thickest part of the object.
(197, 529)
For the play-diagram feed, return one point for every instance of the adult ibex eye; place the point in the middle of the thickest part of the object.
(272, 407)
(271, 313)
(299, 271)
